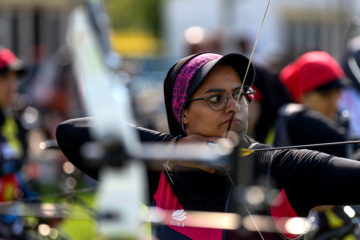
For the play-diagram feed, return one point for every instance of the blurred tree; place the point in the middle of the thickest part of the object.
(130, 15)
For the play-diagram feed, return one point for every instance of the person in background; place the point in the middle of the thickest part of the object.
(13, 148)
(270, 95)
(315, 81)
(350, 96)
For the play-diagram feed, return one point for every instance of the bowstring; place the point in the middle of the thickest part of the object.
(64, 194)
(237, 100)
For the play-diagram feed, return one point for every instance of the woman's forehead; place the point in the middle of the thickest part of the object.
(222, 76)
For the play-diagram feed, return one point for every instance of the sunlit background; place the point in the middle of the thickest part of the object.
(149, 36)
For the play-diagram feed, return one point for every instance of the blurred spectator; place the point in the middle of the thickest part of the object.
(198, 39)
(54, 93)
(244, 45)
(350, 97)
(269, 97)
(270, 94)
(13, 148)
(315, 81)
(53, 90)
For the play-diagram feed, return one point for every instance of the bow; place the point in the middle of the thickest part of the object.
(248, 67)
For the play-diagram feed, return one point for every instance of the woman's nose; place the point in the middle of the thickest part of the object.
(230, 106)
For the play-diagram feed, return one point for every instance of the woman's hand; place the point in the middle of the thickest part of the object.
(198, 139)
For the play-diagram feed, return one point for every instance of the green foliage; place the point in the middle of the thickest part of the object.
(134, 15)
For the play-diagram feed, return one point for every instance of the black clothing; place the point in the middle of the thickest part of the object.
(308, 178)
(13, 149)
(298, 125)
(274, 95)
(234, 60)
(20, 134)
(174, 127)
(72, 134)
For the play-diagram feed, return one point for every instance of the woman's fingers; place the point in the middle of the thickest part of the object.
(196, 138)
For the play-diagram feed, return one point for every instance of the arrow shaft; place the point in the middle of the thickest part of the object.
(307, 146)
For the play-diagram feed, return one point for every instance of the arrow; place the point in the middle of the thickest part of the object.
(244, 152)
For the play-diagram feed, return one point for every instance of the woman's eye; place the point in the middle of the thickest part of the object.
(237, 94)
(215, 98)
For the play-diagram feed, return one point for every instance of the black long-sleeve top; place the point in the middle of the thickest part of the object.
(308, 178)
(299, 125)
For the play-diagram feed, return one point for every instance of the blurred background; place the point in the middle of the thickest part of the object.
(149, 36)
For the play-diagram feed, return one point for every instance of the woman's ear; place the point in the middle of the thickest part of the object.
(185, 119)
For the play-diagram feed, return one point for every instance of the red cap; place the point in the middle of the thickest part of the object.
(310, 71)
(8, 61)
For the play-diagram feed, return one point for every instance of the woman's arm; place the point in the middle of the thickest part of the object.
(73, 134)
(312, 178)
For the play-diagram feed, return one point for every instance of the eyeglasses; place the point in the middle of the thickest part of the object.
(217, 99)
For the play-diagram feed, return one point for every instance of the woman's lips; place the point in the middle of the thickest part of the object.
(235, 121)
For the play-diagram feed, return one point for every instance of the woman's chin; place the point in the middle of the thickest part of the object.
(239, 132)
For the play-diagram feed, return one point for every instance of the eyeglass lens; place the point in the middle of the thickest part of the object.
(217, 100)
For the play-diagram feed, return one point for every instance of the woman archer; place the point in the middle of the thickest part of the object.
(204, 93)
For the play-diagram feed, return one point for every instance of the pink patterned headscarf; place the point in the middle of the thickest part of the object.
(183, 81)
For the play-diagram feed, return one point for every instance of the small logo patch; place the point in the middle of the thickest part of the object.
(179, 215)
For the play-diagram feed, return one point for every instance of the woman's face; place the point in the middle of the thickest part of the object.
(325, 102)
(8, 87)
(199, 118)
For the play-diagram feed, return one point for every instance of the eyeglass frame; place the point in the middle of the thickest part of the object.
(227, 98)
